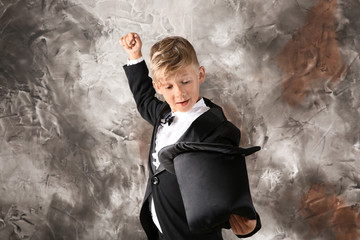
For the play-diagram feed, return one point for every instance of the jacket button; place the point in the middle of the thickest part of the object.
(155, 180)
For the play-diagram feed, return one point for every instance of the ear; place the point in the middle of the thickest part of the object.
(157, 87)
(201, 74)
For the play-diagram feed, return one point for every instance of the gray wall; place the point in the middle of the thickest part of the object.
(73, 148)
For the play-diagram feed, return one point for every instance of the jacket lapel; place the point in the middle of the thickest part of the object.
(205, 124)
(154, 171)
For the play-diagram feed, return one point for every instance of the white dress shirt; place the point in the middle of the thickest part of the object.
(170, 134)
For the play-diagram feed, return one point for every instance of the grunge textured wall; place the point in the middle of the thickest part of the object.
(73, 148)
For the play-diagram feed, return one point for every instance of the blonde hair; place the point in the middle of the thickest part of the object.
(169, 55)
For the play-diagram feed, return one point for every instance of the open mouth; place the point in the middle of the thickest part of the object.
(184, 103)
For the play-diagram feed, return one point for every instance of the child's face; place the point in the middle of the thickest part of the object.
(181, 90)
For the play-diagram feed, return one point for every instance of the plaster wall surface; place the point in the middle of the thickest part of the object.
(73, 148)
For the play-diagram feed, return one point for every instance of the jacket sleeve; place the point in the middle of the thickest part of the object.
(230, 135)
(143, 91)
(225, 133)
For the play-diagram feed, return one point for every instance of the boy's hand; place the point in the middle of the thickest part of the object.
(241, 225)
(132, 45)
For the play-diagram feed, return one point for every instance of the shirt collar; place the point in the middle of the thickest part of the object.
(198, 104)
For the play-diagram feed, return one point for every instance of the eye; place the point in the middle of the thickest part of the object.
(186, 81)
(168, 87)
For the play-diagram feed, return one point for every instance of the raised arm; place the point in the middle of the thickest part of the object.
(140, 83)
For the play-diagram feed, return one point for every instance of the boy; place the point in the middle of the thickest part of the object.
(183, 117)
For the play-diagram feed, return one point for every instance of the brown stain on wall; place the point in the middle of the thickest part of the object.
(311, 59)
(324, 210)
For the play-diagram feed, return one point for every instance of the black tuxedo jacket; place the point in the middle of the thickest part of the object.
(210, 127)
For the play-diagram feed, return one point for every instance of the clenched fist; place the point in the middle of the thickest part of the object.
(131, 43)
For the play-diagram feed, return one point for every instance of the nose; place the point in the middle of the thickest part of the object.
(179, 90)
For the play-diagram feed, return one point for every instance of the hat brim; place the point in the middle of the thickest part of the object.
(167, 154)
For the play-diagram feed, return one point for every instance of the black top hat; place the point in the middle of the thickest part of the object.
(213, 183)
